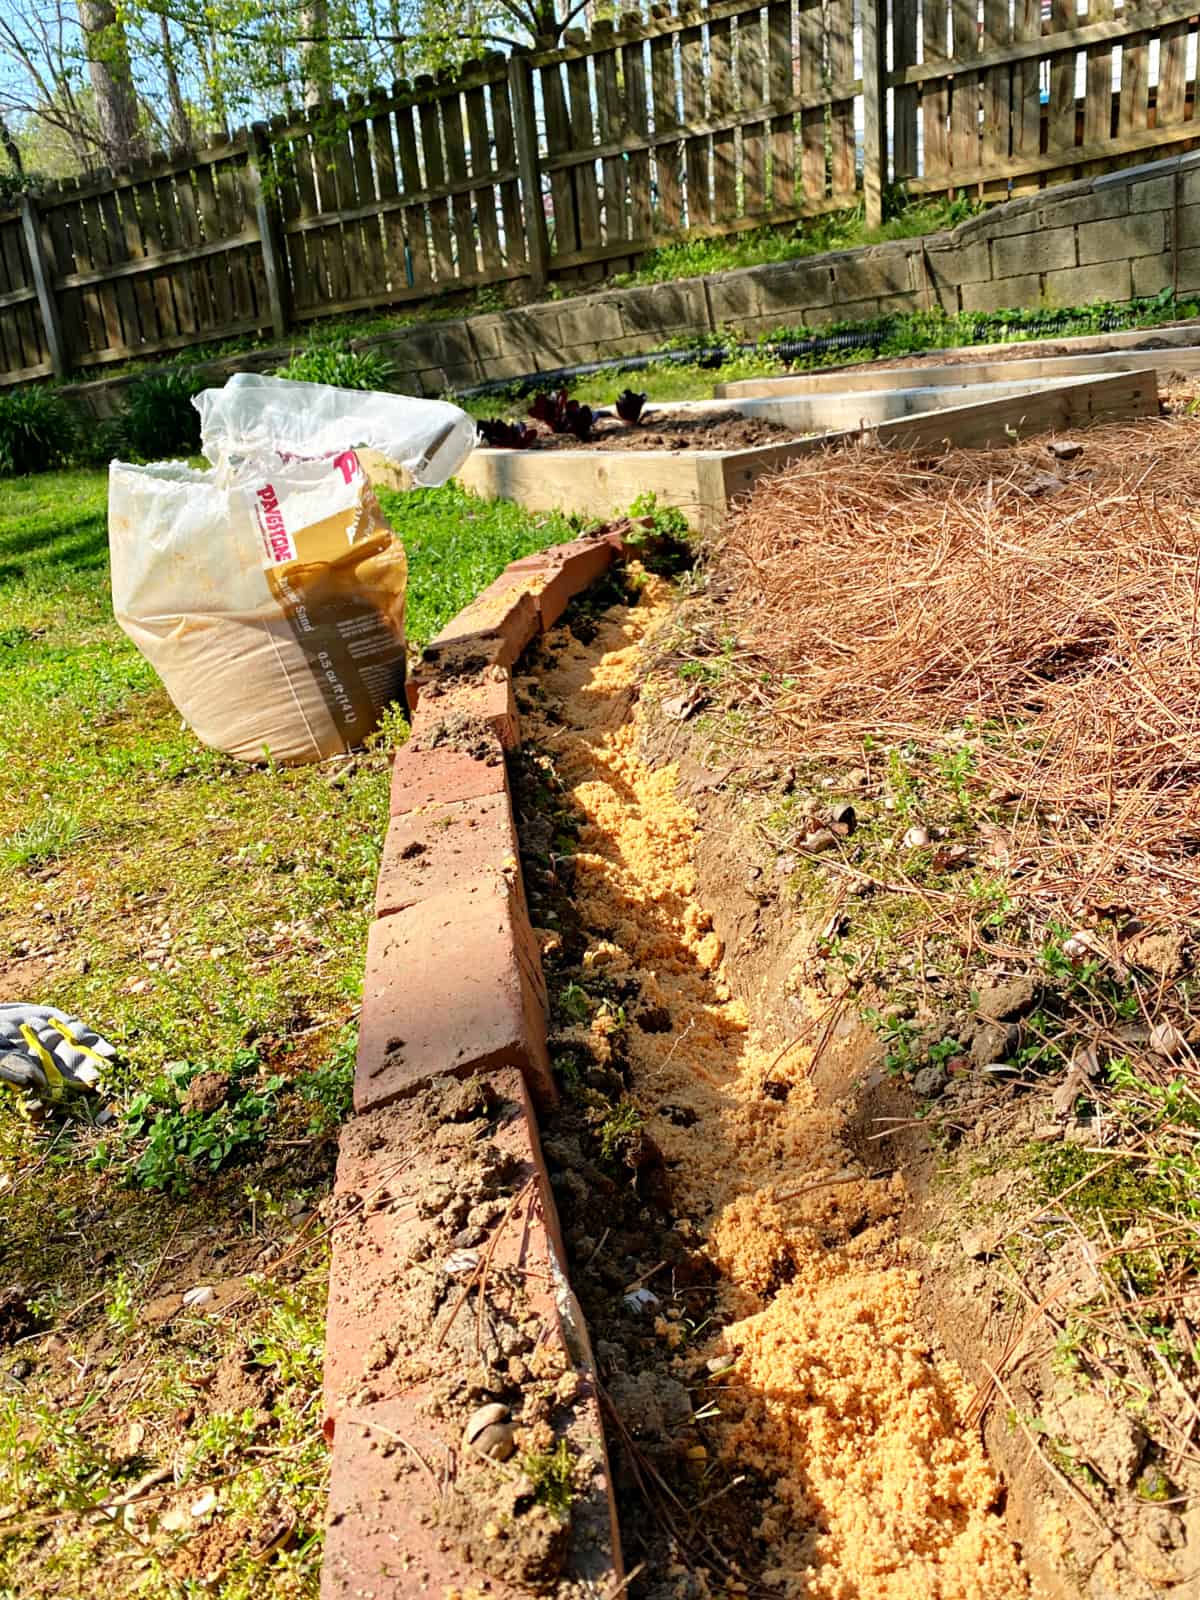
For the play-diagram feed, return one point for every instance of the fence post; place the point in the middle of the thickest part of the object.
(874, 80)
(43, 283)
(525, 137)
(270, 232)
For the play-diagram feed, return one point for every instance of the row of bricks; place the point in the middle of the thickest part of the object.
(453, 985)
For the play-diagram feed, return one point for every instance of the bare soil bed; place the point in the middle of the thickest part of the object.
(662, 429)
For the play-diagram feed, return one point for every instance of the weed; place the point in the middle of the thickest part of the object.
(622, 1120)
(552, 1473)
(335, 361)
(120, 1309)
(328, 1090)
(157, 417)
(38, 431)
(44, 839)
(179, 1147)
(575, 1002)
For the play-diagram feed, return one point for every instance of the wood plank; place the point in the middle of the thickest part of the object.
(1098, 97)
(216, 263)
(239, 220)
(1027, 94)
(721, 97)
(371, 230)
(435, 177)
(343, 241)
(506, 159)
(611, 123)
(781, 85)
(696, 165)
(191, 240)
(117, 252)
(318, 193)
(583, 141)
(312, 279)
(752, 83)
(1171, 99)
(393, 270)
(964, 93)
(668, 148)
(637, 101)
(481, 161)
(997, 90)
(904, 100)
(565, 236)
(454, 145)
(172, 239)
(416, 219)
(153, 234)
(1134, 111)
(12, 351)
(935, 94)
(121, 352)
(287, 191)
(125, 200)
(533, 204)
(61, 253)
(1060, 115)
(368, 301)
(841, 111)
(811, 45)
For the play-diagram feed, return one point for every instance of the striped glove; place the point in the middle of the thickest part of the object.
(48, 1055)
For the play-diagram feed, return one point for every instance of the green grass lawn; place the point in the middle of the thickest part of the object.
(204, 915)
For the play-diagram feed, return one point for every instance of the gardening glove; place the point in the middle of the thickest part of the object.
(48, 1054)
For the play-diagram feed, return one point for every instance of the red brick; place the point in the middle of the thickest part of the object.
(495, 627)
(487, 697)
(422, 777)
(452, 985)
(576, 567)
(383, 1538)
(444, 847)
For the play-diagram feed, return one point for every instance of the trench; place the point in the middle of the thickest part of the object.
(780, 1422)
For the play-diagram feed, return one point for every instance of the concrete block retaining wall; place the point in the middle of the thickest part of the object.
(453, 990)
(1125, 235)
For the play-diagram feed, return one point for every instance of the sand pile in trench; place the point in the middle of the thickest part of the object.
(879, 1492)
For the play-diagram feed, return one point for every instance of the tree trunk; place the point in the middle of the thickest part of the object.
(181, 123)
(112, 82)
(9, 145)
(315, 66)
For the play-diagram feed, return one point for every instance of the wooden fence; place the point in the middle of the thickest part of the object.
(570, 164)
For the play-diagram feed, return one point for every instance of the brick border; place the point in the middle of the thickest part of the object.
(453, 987)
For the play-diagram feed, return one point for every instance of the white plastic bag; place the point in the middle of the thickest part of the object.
(268, 593)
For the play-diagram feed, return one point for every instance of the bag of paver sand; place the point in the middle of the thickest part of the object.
(268, 591)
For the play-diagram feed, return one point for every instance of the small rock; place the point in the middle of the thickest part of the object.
(641, 1301)
(460, 1262)
(785, 865)
(202, 1295)
(1003, 796)
(717, 1364)
(203, 1505)
(929, 1082)
(1164, 954)
(993, 1041)
(915, 838)
(1065, 449)
(1099, 1433)
(1166, 1039)
(820, 839)
(1003, 1001)
(858, 778)
(490, 1432)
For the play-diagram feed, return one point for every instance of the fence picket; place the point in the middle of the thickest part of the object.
(751, 75)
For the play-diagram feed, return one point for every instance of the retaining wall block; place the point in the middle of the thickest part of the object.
(1079, 286)
(1063, 211)
(1139, 234)
(453, 985)
(461, 845)
(1043, 251)
(440, 774)
(1001, 295)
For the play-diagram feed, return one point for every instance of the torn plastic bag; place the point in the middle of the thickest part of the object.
(268, 593)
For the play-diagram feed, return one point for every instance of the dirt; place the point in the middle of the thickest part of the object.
(755, 1301)
(662, 429)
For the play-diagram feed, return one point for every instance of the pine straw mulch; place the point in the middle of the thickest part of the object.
(992, 655)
